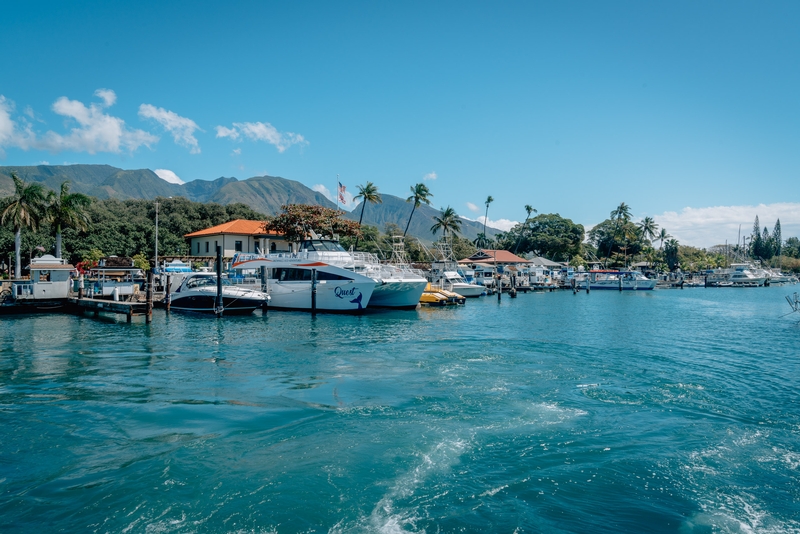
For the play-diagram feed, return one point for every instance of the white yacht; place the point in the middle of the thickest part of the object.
(444, 273)
(297, 283)
(197, 292)
(396, 285)
(743, 276)
(617, 280)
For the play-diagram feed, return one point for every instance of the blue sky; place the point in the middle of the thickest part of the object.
(686, 111)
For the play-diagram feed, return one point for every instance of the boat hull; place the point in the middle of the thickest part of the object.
(348, 297)
(468, 290)
(397, 294)
(235, 301)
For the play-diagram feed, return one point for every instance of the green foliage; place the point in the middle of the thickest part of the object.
(297, 220)
(127, 228)
(448, 222)
(547, 234)
(140, 261)
(671, 254)
(93, 256)
(420, 194)
(617, 237)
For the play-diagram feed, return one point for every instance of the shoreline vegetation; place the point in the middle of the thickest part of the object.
(81, 228)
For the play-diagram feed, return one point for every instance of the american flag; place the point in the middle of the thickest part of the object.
(341, 193)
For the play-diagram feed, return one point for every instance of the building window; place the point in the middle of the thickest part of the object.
(237, 246)
(198, 248)
(206, 247)
(272, 247)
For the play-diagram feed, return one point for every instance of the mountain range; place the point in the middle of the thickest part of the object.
(265, 194)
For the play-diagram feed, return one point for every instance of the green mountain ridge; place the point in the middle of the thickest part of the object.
(265, 194)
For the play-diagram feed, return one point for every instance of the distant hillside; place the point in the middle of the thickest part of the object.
(265, 194)
(396, 210)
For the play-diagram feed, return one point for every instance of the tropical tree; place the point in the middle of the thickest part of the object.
(662, 236)
(671, 254)
(25, 208)
(67, 210)
(528, 209)
(367, 193)
(420, 194)
(297, 220)
(621, 213)
(489, 200)
(648, 228)
(447, 222)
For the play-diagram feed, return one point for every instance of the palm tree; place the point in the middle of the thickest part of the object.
(25, 208)
(420, 194)
(448, 221)
(367, 193)
(622, 213)
(528, 209)
(648, 227)
(489, 200)
(663, 235)
(67, 210)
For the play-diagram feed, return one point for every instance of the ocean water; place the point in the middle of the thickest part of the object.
(664, 411)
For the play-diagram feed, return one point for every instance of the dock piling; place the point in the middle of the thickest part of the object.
(149, 312)
(219, 309)
(167, 296)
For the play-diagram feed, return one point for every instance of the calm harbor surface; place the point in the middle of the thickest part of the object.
(661, 411)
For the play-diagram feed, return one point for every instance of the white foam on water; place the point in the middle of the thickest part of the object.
(385, 516)
(494, 491)
(737, 514)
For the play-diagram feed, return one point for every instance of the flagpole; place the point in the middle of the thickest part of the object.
(337, 192)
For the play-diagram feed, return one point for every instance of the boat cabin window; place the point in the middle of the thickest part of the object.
(289, 274)
(201, 281)
(319, 245)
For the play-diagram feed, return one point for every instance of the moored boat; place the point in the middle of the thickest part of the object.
(197, 292)
(617, 280)
(299, 284)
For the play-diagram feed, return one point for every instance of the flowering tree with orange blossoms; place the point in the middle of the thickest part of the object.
(297, 220)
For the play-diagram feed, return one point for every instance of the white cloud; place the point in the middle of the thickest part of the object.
(319, 188)
(222, 131)
(706, 227)
(96, 130)
(348, 196)
(472, 207)
(429, 176)
(168, 176)
(11, 135)
(501, 224)
(108, 96)
(181, 128)
(237, 152)
(262, 131)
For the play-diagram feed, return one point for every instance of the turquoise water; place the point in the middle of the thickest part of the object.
(664, 411)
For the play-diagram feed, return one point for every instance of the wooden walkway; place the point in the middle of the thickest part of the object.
(129, 309)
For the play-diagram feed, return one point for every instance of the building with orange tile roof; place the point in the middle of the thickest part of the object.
(501, 257)
(239, 235)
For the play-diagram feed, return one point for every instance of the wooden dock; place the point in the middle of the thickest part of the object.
(129, 309)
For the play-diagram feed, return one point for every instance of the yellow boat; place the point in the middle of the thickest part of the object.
(440, 297)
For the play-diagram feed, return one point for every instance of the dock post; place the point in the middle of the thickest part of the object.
(168, 297)
(148, 317)
(499, 288)
(218, 309)
(129, 315)
(313, 291)
(620, 281)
